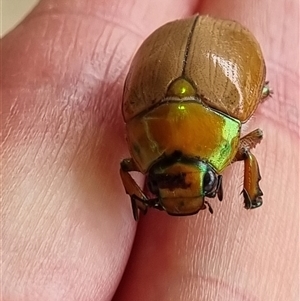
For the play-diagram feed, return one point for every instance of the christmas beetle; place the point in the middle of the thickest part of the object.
(190, 87)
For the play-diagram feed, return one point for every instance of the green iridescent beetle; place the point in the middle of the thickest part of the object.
(190, 87)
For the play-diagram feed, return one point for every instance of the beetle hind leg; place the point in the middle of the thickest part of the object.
(251, 190)
(266, 92)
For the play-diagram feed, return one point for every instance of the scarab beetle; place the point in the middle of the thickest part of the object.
(190, 87)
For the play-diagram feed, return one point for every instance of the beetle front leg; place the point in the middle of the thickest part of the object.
(138, 198)
(251, 190)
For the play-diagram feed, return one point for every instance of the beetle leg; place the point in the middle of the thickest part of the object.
(138, 198)
(220, 189)
(266, 92)
(209, 207)
(250, 140)
(251, 191)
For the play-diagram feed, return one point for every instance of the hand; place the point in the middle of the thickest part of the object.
(67, 225)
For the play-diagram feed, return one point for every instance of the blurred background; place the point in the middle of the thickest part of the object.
(12, 12)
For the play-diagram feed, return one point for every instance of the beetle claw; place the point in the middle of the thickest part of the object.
(251, 204)
(211, 211)
(137, 205)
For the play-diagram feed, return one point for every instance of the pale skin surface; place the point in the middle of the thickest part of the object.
(67, 225)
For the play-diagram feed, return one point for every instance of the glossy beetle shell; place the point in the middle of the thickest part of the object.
(188, 127)
(221, 60)
(191, 85)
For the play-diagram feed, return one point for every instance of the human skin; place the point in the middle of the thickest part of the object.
(67, 225)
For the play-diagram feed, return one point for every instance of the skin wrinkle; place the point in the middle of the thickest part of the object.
(100, 92)
(39, 146)
(24, 200)
(39, 250)
(98, 42)
(109, 62)
(109, 66)
(227, 286)
(50, 185)
(112, 89)
(58, 269)
(8, 206)
(28, 45)
(13, 110)
(70, 234)
(55, 233)
(64, 138)
(73, 45)
(53, 42)
(32, 207)
(101, 18)
(41, 195)
(27, 249)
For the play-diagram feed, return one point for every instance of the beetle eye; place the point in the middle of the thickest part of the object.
(209, 182)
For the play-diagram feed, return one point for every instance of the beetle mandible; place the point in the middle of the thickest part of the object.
(190, 87)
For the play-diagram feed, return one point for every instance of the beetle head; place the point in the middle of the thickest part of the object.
(182, 183)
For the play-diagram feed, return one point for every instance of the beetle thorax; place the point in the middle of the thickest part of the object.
(188, 127)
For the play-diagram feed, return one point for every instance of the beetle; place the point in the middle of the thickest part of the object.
(190, 87)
